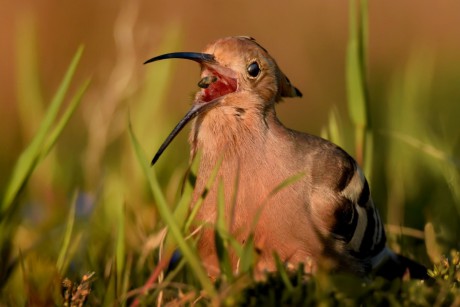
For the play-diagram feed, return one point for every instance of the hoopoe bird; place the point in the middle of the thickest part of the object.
(326, 218)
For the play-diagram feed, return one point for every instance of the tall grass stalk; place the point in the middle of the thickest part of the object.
(188, 252)
(356, 77)
(37, 149)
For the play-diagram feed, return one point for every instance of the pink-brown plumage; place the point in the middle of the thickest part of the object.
(325, 218)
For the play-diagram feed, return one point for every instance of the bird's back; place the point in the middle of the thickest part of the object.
(338, 200)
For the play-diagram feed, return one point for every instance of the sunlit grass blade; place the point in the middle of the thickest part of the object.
(181, 212)
(285, 183)
(246, 252)
(357, 95)
(188, 253)
(335, 127)
(334, 131)
(221, 237)
(29, 158)
(282, 273)
(180, 216)
(247, 256)
(197, 205)
(369, 154)
(182, 209)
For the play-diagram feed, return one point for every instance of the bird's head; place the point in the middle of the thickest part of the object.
(231, 67)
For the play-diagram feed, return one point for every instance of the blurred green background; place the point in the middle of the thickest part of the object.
(413, 76)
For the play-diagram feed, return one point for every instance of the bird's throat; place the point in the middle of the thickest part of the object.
(215, 85)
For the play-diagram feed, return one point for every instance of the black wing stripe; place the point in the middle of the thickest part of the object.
(346, 220)
(364, 196)
(368, 239)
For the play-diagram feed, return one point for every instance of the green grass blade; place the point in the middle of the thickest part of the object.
(189, 254)
(171, 275)
(356, 64)
(357, 96)
(29, 158)
(220, 221)
(182, 209)
(126, 280)
(67, 236)
(197, 205)
(221, 236)
(70, 110)
(356, 100)
(247, 256)
(30, 99)
(335, 128)
(285, 183)
(282, 273)
(120, 245)
(369, 155)
(425, 148)
(158, 79)
(180, 216)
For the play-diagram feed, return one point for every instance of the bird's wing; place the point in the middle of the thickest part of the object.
(341, 202)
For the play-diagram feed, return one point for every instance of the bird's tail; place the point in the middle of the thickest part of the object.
(396, 266)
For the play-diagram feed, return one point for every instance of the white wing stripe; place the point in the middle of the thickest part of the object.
(360, 230)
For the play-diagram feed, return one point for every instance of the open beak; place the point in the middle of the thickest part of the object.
(208, 98)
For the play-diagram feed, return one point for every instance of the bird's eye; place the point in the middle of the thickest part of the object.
(253, 69)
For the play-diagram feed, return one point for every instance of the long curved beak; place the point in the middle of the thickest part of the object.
(194, 56)
(197, 108)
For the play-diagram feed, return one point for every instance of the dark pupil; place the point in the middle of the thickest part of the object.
(253, 69)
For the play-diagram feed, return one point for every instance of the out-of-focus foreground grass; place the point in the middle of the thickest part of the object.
(65, 214)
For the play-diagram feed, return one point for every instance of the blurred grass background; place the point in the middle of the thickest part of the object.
(88, 205)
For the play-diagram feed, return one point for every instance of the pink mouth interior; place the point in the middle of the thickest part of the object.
(223, 86)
